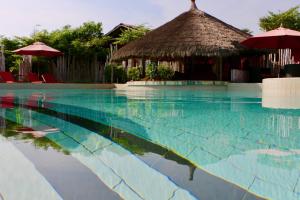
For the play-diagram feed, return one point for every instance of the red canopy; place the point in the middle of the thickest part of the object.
(38, 49)
(280, 38)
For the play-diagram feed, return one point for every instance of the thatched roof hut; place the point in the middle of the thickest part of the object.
(191, 34)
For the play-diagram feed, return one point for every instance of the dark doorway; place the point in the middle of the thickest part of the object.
(200, 69)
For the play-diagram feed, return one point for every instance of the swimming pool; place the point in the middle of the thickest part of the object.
(154, 144)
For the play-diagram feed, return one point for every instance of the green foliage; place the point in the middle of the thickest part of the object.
(84, 41)
(14, 130)
(151, 71)
(134, 74)
(161, 72)
(165, 72)
(118, 72)
(131, 34)
(11, 60)
(246, 30)
(16, 62)
(288, 19)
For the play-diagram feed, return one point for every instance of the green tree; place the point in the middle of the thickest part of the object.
(118, 73)
(11, 60)
(288, 19)
(85, 41)
(246, 30)
(131, 34)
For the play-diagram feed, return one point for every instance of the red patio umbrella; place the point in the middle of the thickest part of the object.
(38, 49)
(280, 38)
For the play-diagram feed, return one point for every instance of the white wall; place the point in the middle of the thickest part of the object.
(281, 93)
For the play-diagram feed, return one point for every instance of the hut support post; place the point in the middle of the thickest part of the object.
(112, 75)
(221, 68)
(143, 68)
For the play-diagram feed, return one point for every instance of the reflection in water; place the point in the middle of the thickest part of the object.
(7, 101)
(276, 153)
(130, 142)
(192, 172)
(2, 121)
(231, 137)
(282, 125)
(18, 132)
(35, 133)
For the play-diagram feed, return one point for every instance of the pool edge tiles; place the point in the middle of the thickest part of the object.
(30, 186)
(94, 161)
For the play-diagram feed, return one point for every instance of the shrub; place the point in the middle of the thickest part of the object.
(151, 71)
(160, 72)
(134, 74)
(119, 74)
(165, 72)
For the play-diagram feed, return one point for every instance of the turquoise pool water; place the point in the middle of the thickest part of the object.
(227, 135)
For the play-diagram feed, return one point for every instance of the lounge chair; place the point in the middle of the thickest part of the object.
(49, 78)
(33, 78)
(7, 77)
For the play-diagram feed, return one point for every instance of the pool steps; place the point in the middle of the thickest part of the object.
(110, 162)
(19, 179)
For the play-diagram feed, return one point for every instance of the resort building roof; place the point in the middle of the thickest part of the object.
(193, 33)
(117, 30)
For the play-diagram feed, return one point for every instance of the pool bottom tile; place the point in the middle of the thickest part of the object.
(18, 175)
(202, 158)
(200, 183)
(126, 192)
(180, 194)
(272, 191)
(226, 170)
(262, 166)
(135, 173)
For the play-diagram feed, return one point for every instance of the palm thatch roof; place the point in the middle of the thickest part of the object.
(193, 33)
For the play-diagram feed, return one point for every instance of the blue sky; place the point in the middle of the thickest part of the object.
(20, 17)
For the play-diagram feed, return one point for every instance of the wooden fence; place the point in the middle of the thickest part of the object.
(78, 69)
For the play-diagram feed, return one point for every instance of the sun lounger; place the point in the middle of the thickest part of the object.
(49, 78)
(7, 77)
(33, 78)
